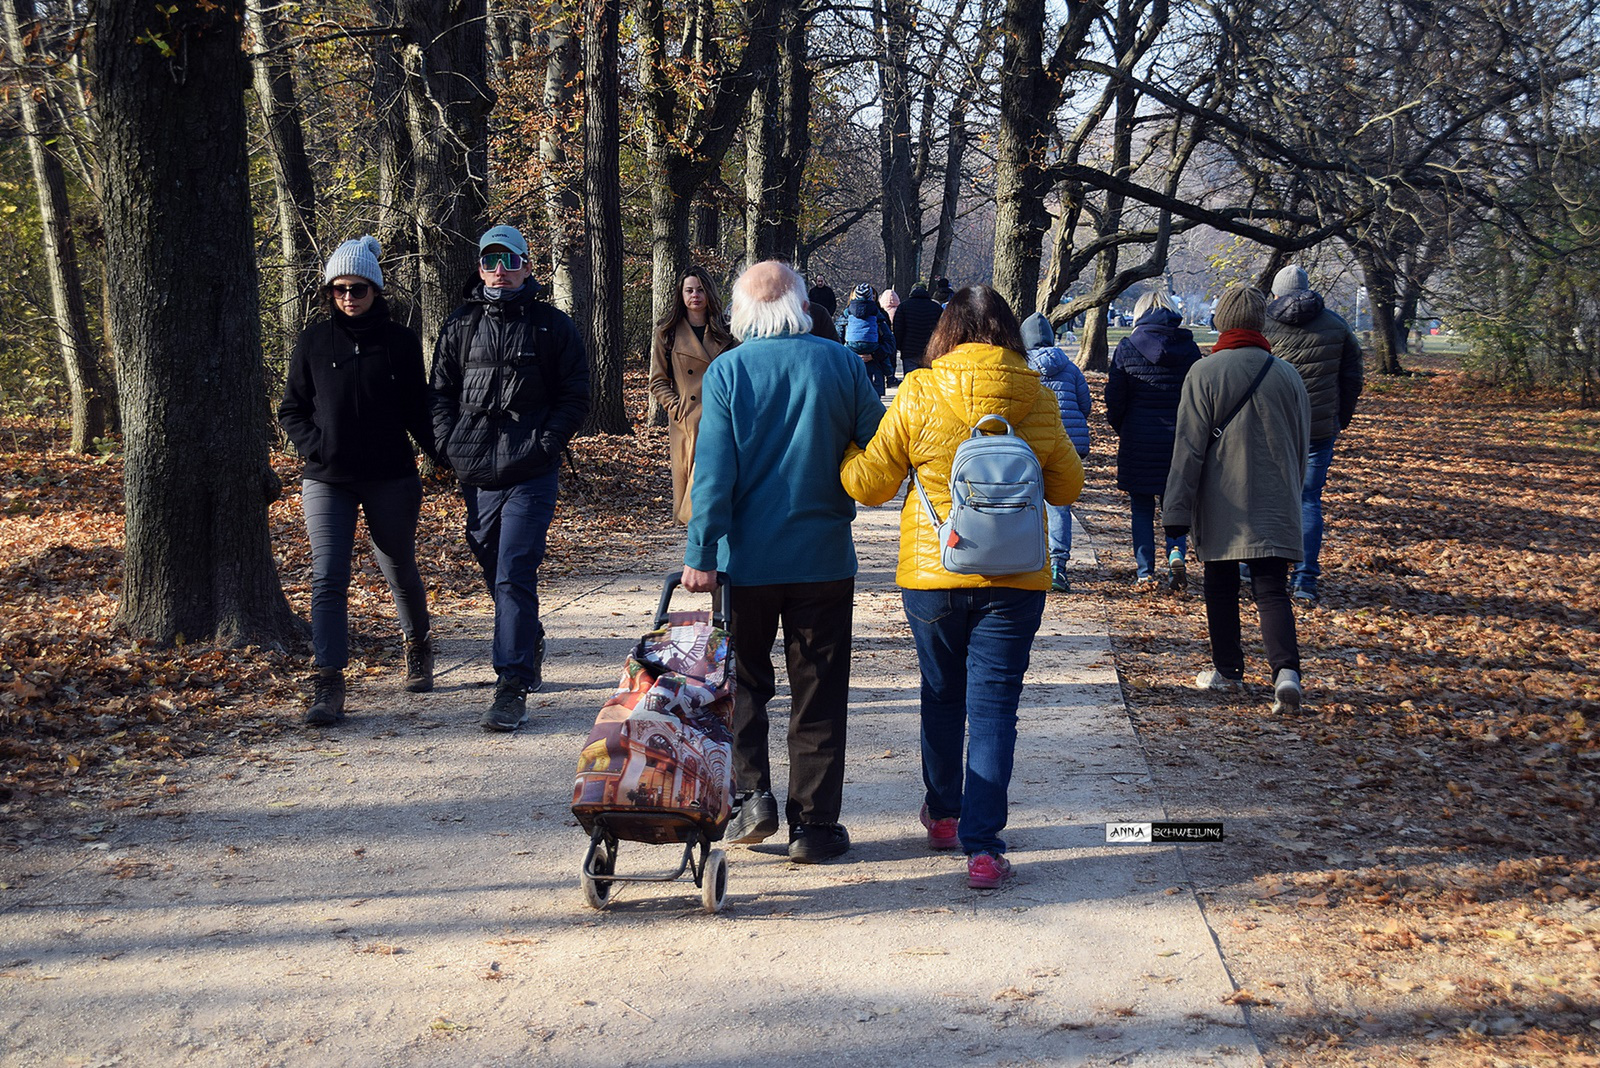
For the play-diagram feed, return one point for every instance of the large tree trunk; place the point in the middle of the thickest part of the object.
(1381, 293)
(86, 392)
(570, 287)
(794, 69)
(198, 559)
(950, 202)
(448, 102)
(1026, 107)
(291, 173)
(902, 206)
(602, 213)
(396, 226)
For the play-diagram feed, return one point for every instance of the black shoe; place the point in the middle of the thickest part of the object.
(419, 665)
(327, 699)
(510, 706)
(537, 682)
(754, 819)
(813, 843)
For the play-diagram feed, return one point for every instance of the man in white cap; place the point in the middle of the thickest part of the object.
(510, 387)
(1322, 348)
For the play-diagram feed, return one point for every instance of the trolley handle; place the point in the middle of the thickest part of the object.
(673, 580)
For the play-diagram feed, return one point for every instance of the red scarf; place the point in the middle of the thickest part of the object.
(1241, 339)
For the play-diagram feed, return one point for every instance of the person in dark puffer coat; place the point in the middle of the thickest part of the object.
(914, 321)
(1323, 349)
(355, 396)
(1142, 391)
(1065, 378)
(510, 388)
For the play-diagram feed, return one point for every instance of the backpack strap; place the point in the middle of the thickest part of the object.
(1216, 431)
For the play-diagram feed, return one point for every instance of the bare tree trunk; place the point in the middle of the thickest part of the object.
(198, 560)
(794, 69)
(396, 226)
(902, 206)
(950, 202)
(448, 102)
(1026, 105)
(87, 394)
(570, 283)
(602, 208)
(291, 173)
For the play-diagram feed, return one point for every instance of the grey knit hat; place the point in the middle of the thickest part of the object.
(358, 256)
(1292, 279)
(1240, 308)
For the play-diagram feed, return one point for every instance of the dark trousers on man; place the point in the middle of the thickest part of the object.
(1269, 582)
(816, 619)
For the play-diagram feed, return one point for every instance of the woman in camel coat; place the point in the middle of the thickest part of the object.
(685, 341)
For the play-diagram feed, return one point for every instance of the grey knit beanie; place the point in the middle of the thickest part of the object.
(1240, 308)
(358, 256)
(1292, 279)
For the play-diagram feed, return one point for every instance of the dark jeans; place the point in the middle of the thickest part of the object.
(506, 531)
(1307, 572)
(1142, 508)
(973, 647)
(1269, 581)
(816, 619)
(877, 375)
(391, 506)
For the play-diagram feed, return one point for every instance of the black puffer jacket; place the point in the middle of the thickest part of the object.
(1327, 355)
(914, 321)
(503, 412)
(356, 387)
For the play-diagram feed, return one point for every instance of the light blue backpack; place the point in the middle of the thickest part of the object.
(996, 524)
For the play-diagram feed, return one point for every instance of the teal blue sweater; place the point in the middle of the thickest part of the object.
(776, 415)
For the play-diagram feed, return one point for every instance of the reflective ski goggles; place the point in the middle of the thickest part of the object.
(510, 261)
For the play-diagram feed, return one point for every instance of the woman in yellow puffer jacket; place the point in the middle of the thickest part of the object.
(974, 633)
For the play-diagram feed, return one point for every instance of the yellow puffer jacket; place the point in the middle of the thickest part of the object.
(932, 414)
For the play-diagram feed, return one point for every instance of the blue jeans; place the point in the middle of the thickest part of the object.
(973, 647)
(392, 506)
(1308, 571)
(506, 530)
(1143, 508)
(1060, 517)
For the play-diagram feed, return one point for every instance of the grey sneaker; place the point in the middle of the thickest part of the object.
(327, 699)
(419, 665)
(1305, 595)
(510, 706)
(1212, 679)
(754, 819)
(1286, 694)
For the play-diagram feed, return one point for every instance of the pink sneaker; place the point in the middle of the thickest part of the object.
(941, 833)
(985, 871)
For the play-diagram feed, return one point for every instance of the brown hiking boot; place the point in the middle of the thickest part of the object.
(419, 665)
(327, 699)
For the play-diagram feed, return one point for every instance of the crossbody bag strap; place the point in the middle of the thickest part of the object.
(1216, 431)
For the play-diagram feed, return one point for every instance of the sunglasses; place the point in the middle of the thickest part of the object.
(357, 290)
(511, 261)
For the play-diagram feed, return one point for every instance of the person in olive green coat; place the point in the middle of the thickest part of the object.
(1239, 492)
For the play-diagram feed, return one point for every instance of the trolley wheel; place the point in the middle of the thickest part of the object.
(714, 881)
(603, 861)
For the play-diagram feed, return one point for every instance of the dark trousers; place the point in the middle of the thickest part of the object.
(392, 506)
(816, 619)
(1269, 581)
(506, 531)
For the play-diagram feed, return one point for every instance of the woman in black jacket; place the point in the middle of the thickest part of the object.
(356, 389)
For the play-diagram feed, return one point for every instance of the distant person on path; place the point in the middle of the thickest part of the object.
(1142, 390)
(864, 328)
(356, 395)
(942, 291)
(1239, 491)
(974, 633)
(777, 415)
(510, 388)
(685, 342)
(915, 319)
(824, 309)
(1323, 349)
(1064, 377)
(889, 302)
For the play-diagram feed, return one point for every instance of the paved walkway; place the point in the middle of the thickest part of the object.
(404, 891)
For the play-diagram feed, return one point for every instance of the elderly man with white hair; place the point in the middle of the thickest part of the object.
(769, 512)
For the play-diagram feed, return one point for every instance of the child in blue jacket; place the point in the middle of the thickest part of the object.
(1066, 380)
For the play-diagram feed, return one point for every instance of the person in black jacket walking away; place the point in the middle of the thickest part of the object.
(510, 388)
(355, 390)
(914, 321)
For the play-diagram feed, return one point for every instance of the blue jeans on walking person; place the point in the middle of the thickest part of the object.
(1308, 571)
(506, 531)
(973, 646)
(1143, 509)
(1060, 517)
(391, 506)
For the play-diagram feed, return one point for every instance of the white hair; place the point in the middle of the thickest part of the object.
(776, 316)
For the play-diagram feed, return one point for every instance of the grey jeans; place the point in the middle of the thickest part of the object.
(391, 506)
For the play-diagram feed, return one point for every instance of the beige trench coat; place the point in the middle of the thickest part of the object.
(675, 382)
